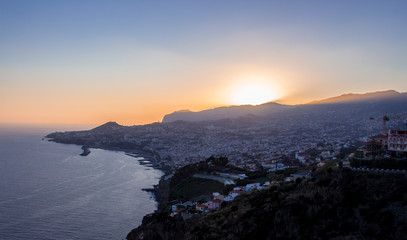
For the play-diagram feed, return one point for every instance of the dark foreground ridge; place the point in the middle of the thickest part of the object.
(335, 203)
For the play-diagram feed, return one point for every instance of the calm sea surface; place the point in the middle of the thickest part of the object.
(48, 191)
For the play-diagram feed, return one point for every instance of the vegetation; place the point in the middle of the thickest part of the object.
(385, 163)
(281, 174)
(183, 186)
(335, 204)
(344, 152)
(195, 187)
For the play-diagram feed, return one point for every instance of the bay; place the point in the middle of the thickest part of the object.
(48, 191)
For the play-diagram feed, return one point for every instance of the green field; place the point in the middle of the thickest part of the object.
(194, 187)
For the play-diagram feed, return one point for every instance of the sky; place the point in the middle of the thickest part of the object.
(86, 62)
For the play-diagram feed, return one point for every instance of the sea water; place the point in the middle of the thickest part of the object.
(49, 191)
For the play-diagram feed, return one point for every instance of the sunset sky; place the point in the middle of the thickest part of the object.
(89, 62)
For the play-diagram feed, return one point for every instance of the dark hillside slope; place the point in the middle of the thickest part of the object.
(334, 204)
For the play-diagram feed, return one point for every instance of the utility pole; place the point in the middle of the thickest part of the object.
(385, 119)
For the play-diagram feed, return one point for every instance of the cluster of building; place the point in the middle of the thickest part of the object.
(392, 143)
(265, 142)
(216, 201)
(397, 142)
(263, 145)
(189, 208)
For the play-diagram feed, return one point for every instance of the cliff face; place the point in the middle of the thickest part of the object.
(334, 204)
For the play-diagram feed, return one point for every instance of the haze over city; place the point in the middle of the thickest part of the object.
(89, 62)
(203, 119)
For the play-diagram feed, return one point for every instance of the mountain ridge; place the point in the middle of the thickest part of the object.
(234, 111)
(350, 97)
(270, 108)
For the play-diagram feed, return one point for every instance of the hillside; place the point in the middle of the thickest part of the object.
(335, 204)
(226, 112)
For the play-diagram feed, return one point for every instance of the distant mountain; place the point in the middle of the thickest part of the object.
(384, 101)
(351, 97)
(226, 112)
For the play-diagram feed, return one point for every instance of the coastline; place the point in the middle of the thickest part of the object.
(145, 157)
(148, 158)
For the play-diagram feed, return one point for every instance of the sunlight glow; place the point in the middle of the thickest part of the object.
(253, 93)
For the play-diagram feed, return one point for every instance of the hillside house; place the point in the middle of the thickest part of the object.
(177, 206)
(201, 207)
(178, 211)
(217, 195)
(214, 204)
(397, 143)
(239, 188)
(234, 193)
(251, 186)
(300, 175)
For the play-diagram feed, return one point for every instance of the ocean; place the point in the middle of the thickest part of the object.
(48, 191)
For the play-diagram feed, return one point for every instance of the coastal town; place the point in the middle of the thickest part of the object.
(270, 144)
(190, 208)
(249, 143)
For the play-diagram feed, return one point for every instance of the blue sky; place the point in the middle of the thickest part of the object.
(154, 57)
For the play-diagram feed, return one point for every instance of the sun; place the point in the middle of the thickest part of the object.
(252, 94)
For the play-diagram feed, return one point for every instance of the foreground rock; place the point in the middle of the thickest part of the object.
(85, 152)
